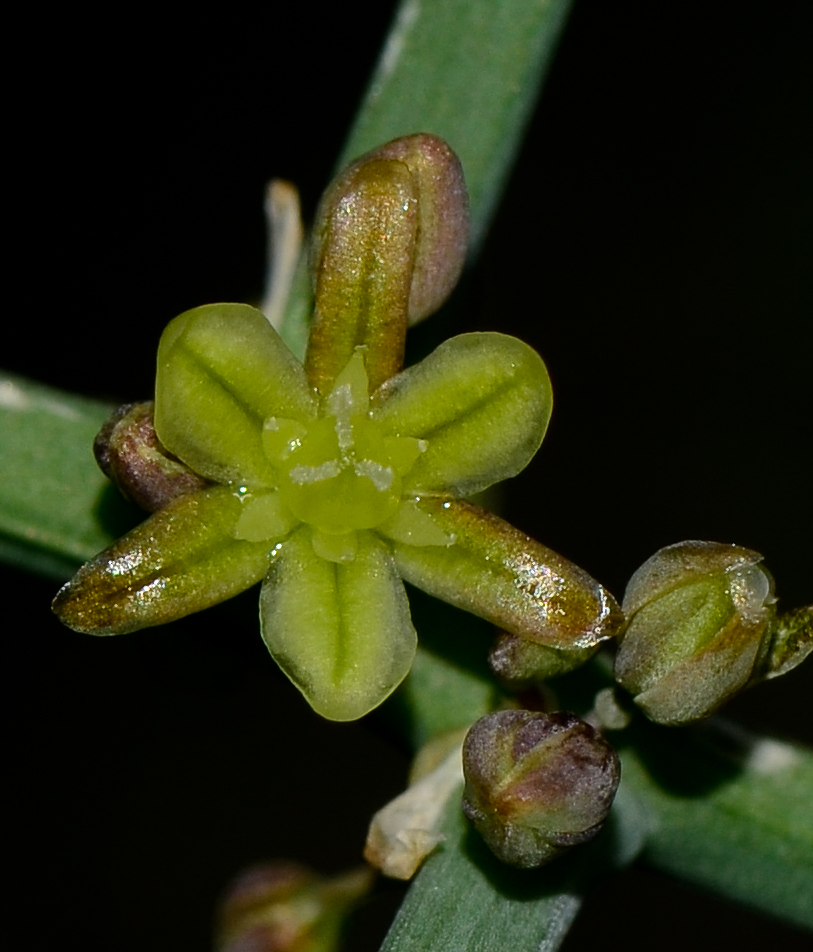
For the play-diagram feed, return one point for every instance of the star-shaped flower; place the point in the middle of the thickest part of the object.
(332, 481)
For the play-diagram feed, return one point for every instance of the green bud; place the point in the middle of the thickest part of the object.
(130, 454)
(537, 784)
(284, 907)
(699, 616)
(791, 641)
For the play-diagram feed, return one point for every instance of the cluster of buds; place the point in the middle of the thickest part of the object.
(701, 626)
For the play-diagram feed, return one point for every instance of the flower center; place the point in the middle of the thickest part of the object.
(341, 473)
(342, 476)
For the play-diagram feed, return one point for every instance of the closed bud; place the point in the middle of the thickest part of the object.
(537, 784)
(518, 661)
(284, 907)
(791, 642)
(130, 454)
(699, 629)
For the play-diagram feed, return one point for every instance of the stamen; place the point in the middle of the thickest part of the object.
(382, 477)
(344, 433)
(305, 475)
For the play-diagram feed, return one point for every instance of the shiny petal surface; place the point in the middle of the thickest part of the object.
(442, 234)
(366, 232)
(497, 572)
(222, 370)
(481, 401)
(181, 560)
(340, 631)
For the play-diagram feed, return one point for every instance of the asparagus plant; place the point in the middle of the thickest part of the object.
(331, 480)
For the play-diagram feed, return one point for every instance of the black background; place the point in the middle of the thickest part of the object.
(654, 245)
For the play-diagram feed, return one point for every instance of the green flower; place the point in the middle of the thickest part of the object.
(332, 481)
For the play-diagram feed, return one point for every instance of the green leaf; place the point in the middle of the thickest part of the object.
(341, 631)
(481, 401)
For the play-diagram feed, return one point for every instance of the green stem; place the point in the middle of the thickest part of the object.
(728, 811)
(442, 71)
(469, 71)
(56, 506)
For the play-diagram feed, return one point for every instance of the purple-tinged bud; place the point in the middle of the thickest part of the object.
(284, 907)
(519, 661)
(537, 784)
(699, 618)
(130, 454)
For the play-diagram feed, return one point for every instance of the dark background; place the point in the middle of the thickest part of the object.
(654, 245)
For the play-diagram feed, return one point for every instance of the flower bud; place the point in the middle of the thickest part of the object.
(519, 661)
(791, 642)
(284, 907)
(537, 784)
(699, 617)
(130, 454)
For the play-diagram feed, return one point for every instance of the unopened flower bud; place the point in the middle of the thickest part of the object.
(519, 661)
(537, 784)
(791, 636)
(284, 907)
(699, 616)
(130, 454)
